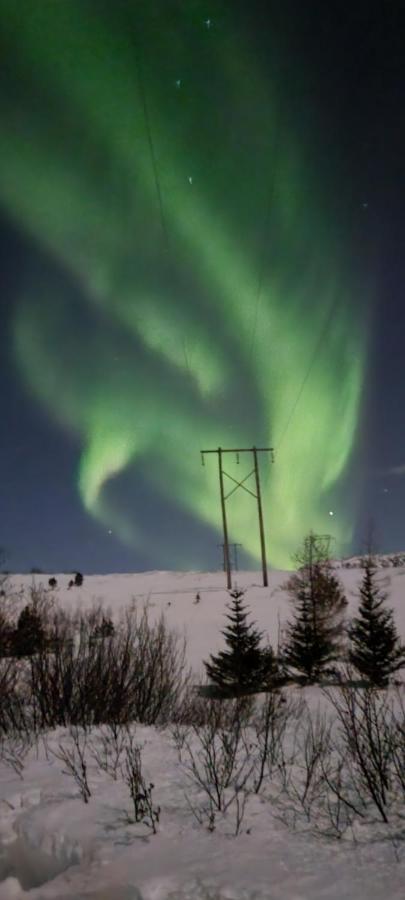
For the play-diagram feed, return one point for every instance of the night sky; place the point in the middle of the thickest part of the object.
(201, 238)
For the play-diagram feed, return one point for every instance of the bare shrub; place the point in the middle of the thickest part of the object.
(14, 748)
(11, 604)
(213, 714)
(302, 775)
(339, 808)
(108, 748)
(140, 790)
(216, 758)
(42, 601)
(53, 674)
(398, 740)
(328, 772)
(270, 724)
(18, 709)
(73, 757)
(365, 733)
(197, 707)
(85, 676)
(8, 684)
(154, 659)
(17, 715)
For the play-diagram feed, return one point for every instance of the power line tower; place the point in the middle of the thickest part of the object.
(235, 560)
(241, 484)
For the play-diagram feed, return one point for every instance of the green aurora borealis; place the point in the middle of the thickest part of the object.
(223, 315)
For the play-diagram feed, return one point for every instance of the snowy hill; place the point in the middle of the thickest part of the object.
(174, 594)
(52, 845)
(382, 560)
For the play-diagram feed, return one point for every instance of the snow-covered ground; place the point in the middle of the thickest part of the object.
(60, 847)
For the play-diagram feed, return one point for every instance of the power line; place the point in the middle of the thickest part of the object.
(259, 296)
(318, 344)
(155, 170)
(263, 254)
(151, 144)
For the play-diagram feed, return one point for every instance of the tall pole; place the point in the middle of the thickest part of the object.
(227, 560)
(236, 485)
(260, 512)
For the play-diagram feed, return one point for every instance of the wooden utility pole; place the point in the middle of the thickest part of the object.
(241, 484)
(224, 522)
(260, 514)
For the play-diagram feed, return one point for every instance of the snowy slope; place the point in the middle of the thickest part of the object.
(72, 850)
(174, 594)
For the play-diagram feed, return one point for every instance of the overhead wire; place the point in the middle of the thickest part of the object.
(262, 260)
(259, 293)
(155, 170)
(307, 374)
(151, 144)
(324, 329)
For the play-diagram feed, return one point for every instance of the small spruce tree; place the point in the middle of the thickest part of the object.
(313, 637)
(375, 651)
(6, 635)
(245, 665)
(105, 628)
(29, 636)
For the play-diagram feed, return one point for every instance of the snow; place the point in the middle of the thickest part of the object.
(174, 594)
(52, 845)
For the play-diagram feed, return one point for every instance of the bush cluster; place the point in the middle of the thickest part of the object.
(60, 668)
(332, 770)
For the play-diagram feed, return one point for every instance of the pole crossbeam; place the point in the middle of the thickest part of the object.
(240, 484)
(241, 450)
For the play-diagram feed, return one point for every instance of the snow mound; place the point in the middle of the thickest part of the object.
(11, 889)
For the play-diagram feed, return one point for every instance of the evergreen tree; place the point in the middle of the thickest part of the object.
(105, 629)
(375, 651)
(313, 636)
(245, 664)
(6, 635)
(30, 634)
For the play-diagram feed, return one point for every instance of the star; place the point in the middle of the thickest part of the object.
(208, 23)
(109, 531)
(178, 83)
(190, 178)
(331, 513)
(365, 205)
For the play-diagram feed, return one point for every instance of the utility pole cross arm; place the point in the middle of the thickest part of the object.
(241, 484)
